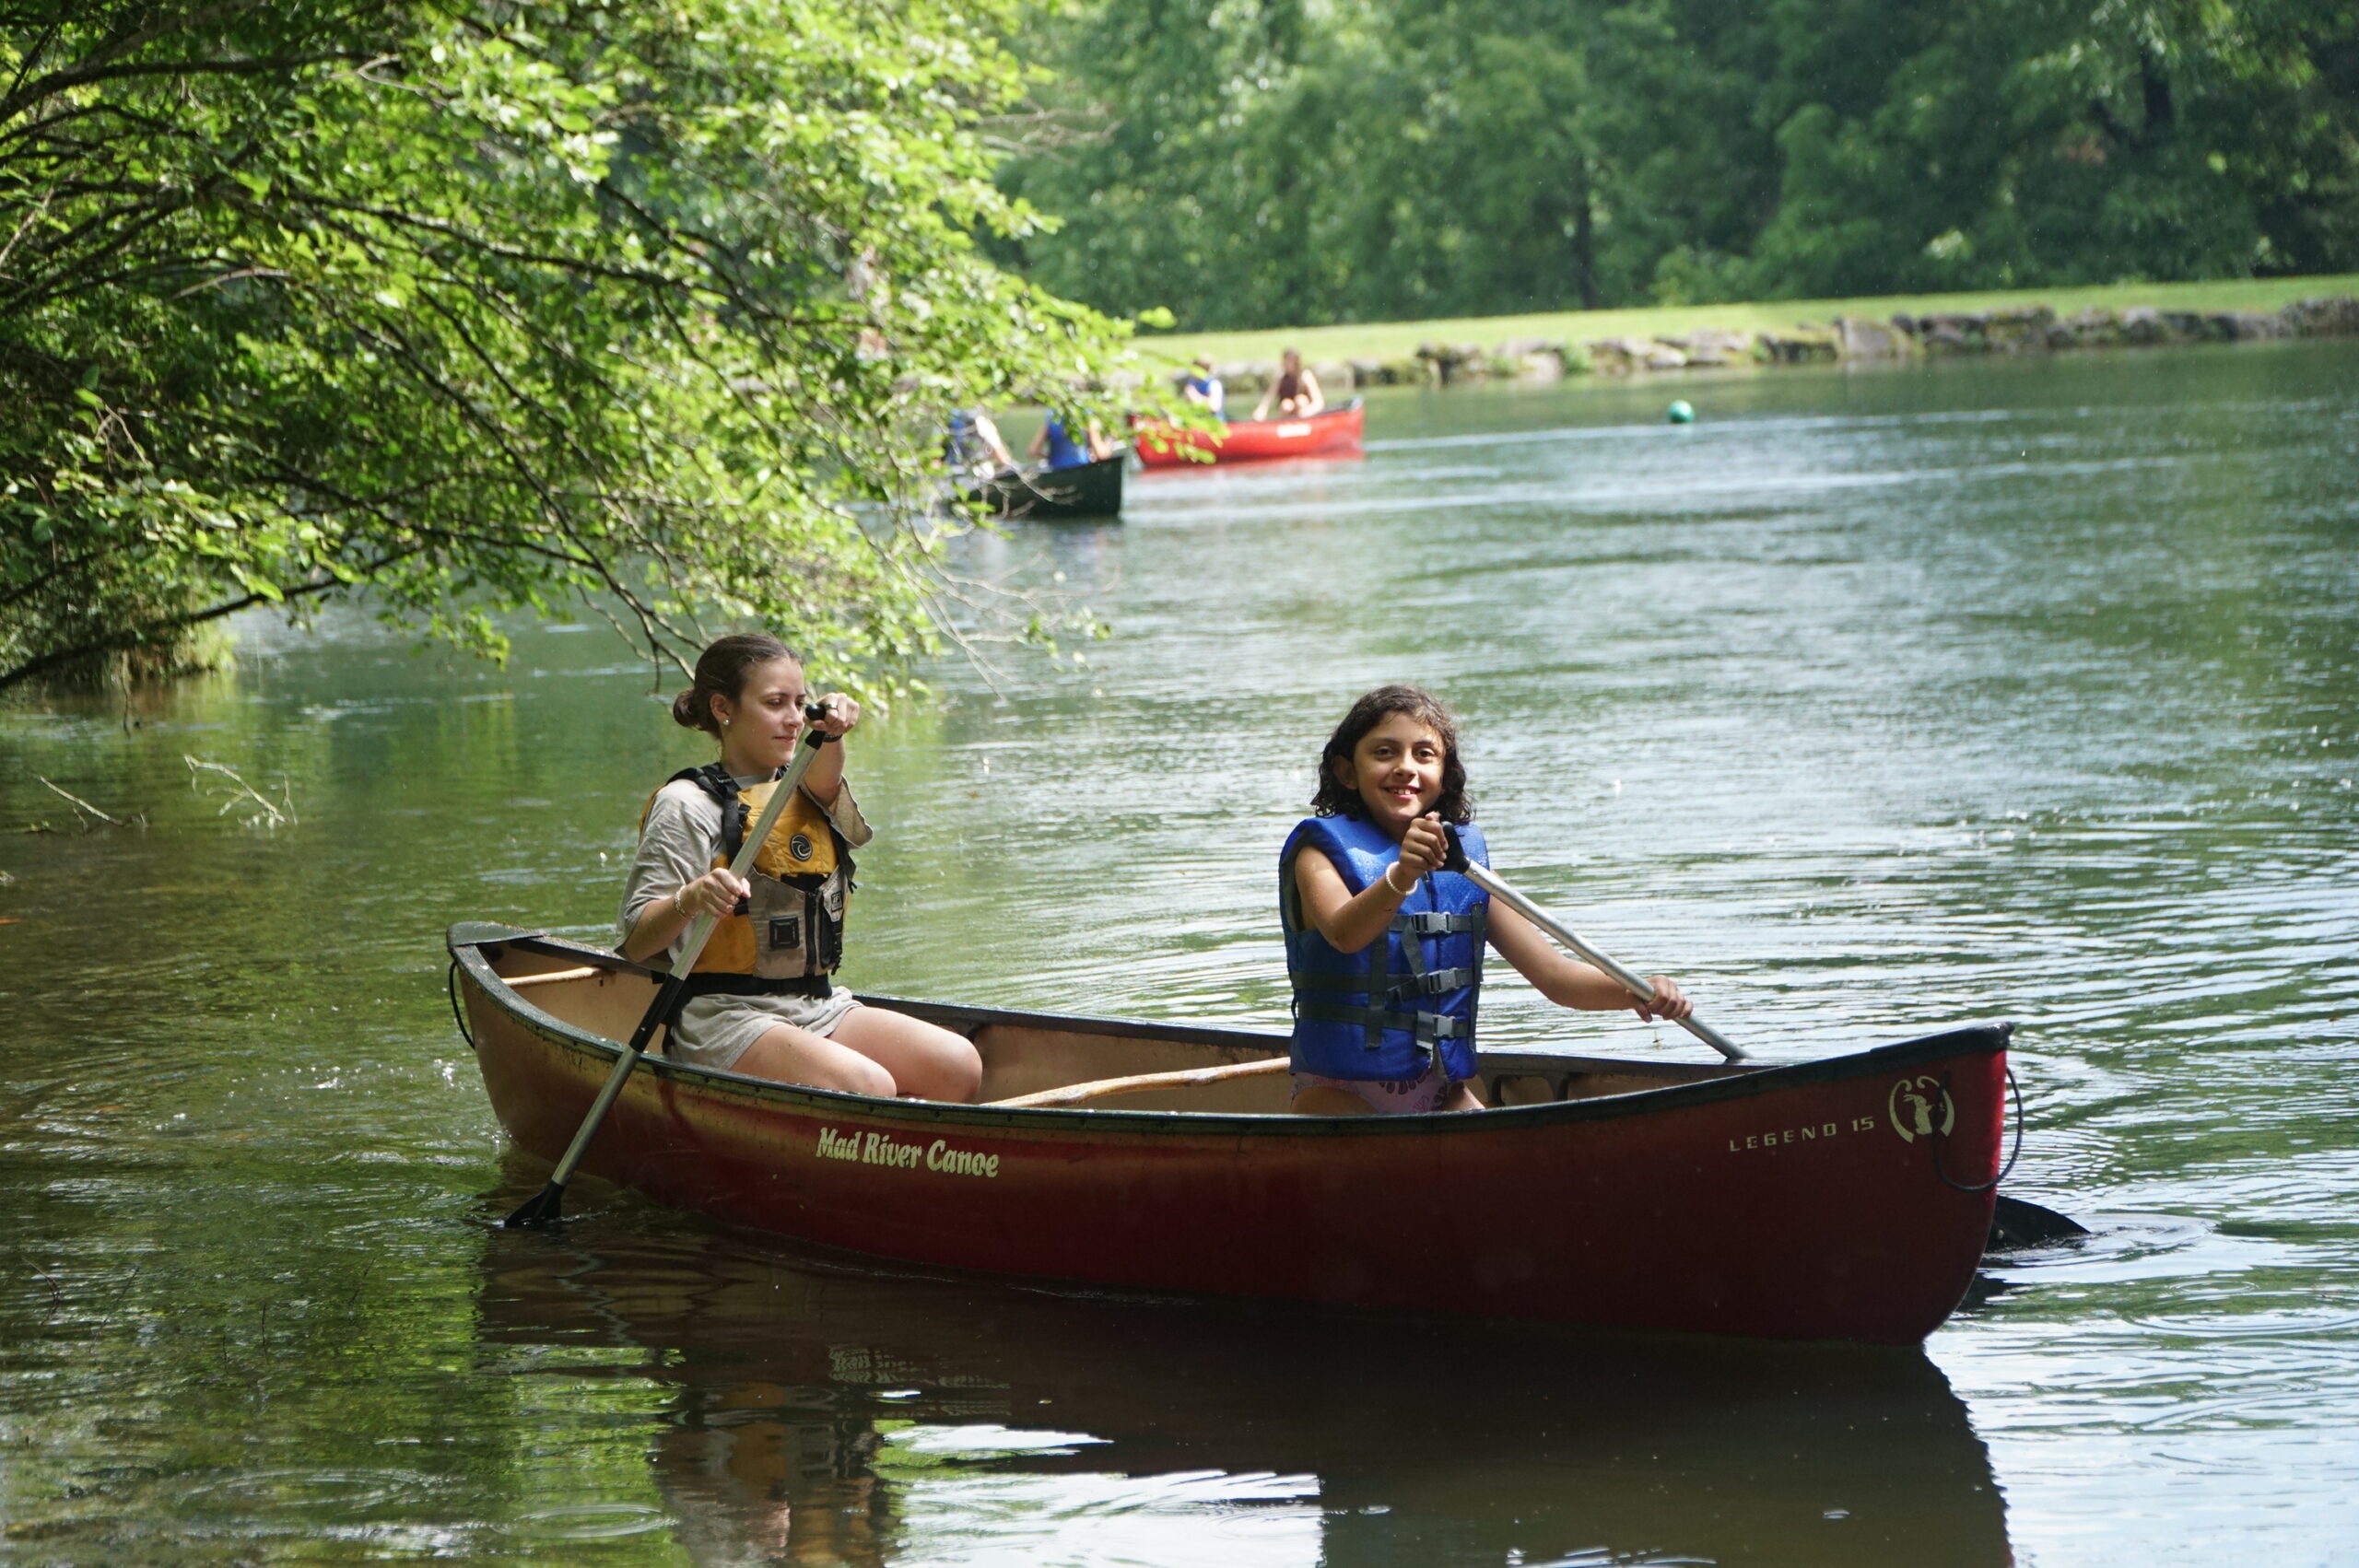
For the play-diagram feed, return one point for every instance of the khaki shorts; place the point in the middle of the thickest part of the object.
(714, 1031)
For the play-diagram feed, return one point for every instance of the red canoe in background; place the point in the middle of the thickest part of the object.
(1329, 434)
(1847, 1199)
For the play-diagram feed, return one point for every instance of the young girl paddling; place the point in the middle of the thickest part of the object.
(759, 999)
(1383, 946)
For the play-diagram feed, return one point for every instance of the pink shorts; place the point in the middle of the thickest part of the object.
(1388, 1096)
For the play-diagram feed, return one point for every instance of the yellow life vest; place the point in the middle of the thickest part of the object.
(791, 927)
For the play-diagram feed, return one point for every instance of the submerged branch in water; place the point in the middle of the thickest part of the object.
(87, 810)
(254, 807)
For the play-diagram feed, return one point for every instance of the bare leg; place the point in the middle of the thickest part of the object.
(797, 1056)
(926, 1062)
(1462, 1096)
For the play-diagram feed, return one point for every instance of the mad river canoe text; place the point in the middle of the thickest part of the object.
(876, 1149)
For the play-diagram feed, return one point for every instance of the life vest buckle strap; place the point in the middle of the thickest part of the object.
(1425, 1027)
(1431, 923)
(1437, 982)
(1430, 982)
(1375, 1019)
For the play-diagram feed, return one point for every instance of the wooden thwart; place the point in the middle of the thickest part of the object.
(1188, 1078)
(553, 976)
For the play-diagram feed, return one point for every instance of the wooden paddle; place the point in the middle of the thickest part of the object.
(2017, 1222)
(543, 1208)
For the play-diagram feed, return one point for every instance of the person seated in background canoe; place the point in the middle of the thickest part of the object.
(1384, 944)
(1204, 390)
(1063, 451)
(972, 444)
(1294, 393)
(760, 1001)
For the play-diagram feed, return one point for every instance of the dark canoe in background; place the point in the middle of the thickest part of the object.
(1093, 490)
(1827, 1200)
(1333, 432)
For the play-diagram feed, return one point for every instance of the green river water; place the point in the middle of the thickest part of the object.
(1870, 704)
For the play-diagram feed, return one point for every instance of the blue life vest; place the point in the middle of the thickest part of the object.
(1216, 396)
(1405, 1002)
(1062, 453)
(959, 442)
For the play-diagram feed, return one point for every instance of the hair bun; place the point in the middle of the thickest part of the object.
(684, 711)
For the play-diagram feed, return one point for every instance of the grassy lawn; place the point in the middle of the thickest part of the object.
(1396, 340)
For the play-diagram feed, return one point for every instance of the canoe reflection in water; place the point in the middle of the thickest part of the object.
(819, 1413)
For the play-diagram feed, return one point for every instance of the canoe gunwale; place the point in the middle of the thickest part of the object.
(465, 941)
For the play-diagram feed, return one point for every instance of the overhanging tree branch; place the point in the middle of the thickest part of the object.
(287, 314)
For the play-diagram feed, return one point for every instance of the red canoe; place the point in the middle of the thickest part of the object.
(1329, 434)
(1823, 1200)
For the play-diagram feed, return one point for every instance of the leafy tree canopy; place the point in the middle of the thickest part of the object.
(1254, 163)
(656, 304)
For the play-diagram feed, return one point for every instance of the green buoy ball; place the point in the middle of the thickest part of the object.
(1681, 411)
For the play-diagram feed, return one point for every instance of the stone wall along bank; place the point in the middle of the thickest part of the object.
(2031, 329)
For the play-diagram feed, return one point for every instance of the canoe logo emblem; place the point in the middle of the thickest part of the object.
(1921, 1107)
(799, 845)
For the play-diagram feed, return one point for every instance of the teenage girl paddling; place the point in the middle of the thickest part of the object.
(1383, 946)
(759, 999)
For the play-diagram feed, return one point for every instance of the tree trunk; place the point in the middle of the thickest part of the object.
(2155, 85)
(1584, 236)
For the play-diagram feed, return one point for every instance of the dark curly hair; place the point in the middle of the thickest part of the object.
(1334, 798)
(721, 671)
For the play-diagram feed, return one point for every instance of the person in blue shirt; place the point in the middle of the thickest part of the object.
(1204, 389)
(1063, 451)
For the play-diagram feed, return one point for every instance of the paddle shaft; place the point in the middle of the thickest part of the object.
(544, 1206)
(1488, 881)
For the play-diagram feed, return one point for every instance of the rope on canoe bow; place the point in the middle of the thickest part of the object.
(2015, 1092)
(458, 1014)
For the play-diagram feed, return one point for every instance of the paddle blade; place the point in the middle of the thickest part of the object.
(2017, 1222)
(539, 1210)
